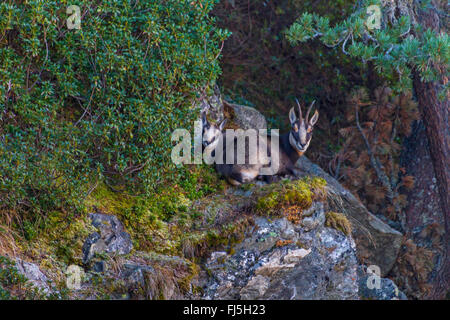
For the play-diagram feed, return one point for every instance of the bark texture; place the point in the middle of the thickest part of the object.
(435, 118)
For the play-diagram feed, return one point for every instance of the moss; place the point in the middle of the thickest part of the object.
(247, 186)
(58, 242)
(162, 220)
(158, 223)
(267, 203)
(339, 222)
(223, 237)
(298, 194)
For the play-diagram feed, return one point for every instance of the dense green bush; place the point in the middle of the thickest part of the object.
(78, 105)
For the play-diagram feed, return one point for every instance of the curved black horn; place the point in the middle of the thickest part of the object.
(309, 109)
(299, 109)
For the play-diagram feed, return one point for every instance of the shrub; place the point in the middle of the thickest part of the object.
(77, 105)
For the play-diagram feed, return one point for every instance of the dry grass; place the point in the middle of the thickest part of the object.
(8, 246)
(339, 222)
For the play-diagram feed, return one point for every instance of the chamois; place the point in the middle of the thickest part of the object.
(211, 134)
(292, 146)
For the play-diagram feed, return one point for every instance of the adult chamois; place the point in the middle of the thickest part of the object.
(248, 163)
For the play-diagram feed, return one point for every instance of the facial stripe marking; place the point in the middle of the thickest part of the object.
(302, 134)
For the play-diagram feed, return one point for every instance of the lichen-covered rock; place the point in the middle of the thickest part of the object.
(283, 260)
(110, 238)
(34, 275)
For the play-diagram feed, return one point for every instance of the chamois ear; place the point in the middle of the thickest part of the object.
(314, 118)
(204, 120)
(222, 124)
(292, 116)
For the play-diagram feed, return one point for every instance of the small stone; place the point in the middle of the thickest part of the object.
(216, 257)
(294, 256)
(99, 266)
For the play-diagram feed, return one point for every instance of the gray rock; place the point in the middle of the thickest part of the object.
(99, 266)
(135, 274)
(247, 117)
(34, 275)
(377, 243)
(110, 238)
(317, 264)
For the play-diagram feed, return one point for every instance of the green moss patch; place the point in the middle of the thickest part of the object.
(289, 196)
(159, 222)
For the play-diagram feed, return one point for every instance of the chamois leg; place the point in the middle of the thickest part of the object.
(271, 178)
(233, 182)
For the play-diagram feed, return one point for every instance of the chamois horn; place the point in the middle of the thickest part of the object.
(309, 109)
(299, 108)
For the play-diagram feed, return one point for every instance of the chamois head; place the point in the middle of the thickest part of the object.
(302, 128)
(211, 132)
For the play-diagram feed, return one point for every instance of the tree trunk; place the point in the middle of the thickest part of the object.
(424, 221)
(435, 117)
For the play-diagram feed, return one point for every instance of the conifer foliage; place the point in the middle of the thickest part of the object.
(386, 33)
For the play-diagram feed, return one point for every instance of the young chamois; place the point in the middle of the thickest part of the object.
(211, 134)
(292, 146)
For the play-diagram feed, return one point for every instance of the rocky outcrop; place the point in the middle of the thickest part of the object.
(377, 243)
(110, 237)
(283, 260)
